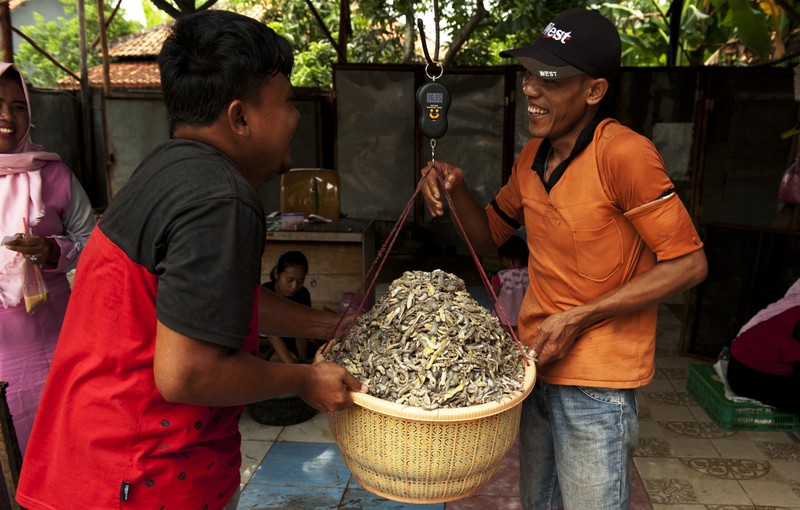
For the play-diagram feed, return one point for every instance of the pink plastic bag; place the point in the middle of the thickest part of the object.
(789, 190)
(34, 290)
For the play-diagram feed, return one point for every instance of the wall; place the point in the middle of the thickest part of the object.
(136, 122)
(719, 131)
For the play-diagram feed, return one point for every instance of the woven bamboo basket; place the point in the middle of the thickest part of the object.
(408, 454)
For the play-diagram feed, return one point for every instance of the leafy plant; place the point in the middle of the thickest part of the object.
(472, 32)
(60, 39)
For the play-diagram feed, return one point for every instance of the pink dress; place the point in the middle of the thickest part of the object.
(27, 341)
(513, 283)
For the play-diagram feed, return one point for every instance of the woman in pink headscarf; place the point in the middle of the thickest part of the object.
(765, 356)
(38, 190)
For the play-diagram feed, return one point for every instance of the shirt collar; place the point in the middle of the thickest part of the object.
(540, 160)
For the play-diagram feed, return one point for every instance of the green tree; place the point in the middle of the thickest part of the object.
(312, 28)
(505, 24)
(471, 32)
(61, 38)
(712, 32)
(178, 8)
(153, 15)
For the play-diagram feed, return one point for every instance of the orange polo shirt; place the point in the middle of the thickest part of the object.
(608, 218)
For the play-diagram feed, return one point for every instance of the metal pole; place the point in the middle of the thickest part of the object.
(101, 26)
(675, 12)
(86, 108)
(107, 165)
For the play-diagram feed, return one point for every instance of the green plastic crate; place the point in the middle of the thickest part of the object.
(706, 387)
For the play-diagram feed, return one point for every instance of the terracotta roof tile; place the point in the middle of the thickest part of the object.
(122, 75)
(133, 58)
(142, 44)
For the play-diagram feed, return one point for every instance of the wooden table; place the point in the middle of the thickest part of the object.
(339, 255)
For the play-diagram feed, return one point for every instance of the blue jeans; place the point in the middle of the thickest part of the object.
(576, 447)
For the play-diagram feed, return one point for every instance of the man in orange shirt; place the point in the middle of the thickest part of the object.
(609, 239)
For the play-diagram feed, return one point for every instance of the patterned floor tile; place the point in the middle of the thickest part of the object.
(360, 499)
(675, 361)
(302, 465)
(669, 397)
(789, 471)
(251, 430)
(674, 373)
(728, 469)
(776, 494)
(657, 384)
(738, 447)
(688, 507)
(287, 497)
(485, 503)
(670, 481)
(699, 430)
(674, 447)
(657, 409)
(315, 430)
(253, 453)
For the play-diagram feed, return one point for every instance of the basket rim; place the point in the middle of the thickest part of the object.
(456, 414)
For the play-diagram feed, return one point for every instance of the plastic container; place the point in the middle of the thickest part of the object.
(704, 385)
(292, 220)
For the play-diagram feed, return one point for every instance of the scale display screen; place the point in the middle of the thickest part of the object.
(434, 97)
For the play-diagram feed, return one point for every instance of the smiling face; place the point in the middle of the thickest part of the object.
(272, 120)
(559, 109)
(14, 117)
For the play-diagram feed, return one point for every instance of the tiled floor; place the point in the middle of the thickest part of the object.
(683, 461)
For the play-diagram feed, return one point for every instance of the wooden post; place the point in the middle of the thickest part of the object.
(344, 29)
(101, 27)
(10, 457)
(86, 174)
(5, 26)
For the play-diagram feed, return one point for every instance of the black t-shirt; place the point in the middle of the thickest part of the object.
(189, 217)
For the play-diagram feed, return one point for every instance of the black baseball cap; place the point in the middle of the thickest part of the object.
(577, 41)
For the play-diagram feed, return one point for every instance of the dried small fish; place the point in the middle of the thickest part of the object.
(428, 343)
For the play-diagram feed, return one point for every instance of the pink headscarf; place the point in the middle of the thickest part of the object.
(790, 300)
(21, 197)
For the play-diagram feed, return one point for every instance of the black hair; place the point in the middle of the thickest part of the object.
(290, 258)
(515, 249)
(213, 57)
(13, 74)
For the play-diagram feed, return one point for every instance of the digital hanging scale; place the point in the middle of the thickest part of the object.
(433, 99)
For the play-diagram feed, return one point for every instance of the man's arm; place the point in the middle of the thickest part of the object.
(558, 332)
(192, 371)
(471, 214)
(279, 316)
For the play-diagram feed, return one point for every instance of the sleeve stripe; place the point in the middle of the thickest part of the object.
(508, 219)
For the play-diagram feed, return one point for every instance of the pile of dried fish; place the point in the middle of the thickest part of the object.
(428, 343)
